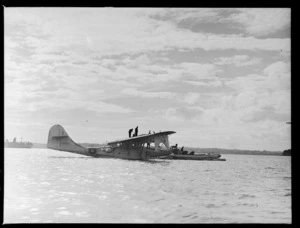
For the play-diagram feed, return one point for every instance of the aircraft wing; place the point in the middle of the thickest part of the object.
(143, 138)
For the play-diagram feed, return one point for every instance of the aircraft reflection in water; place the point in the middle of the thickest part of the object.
(134, 148)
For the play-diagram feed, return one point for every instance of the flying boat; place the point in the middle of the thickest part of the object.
(141, 147)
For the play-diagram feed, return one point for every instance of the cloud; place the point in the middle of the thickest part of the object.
(179, 15)
(191, 98)
(199, 71)
(264, 96)
(255, 21)
(100, 61)
(196, 116)
(276, 76)
(28, 98)
(183, 113)
(248, 82)
(105, 107)
(261, 21)
(67, 30)
(258, 106)
(138, 61)
(208, 83)
(146, 94)
(61, 86)
(237, 60)
(143, 70)
(279, 75)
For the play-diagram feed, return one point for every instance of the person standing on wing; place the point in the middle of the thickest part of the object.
(129, 132)
(136, 131)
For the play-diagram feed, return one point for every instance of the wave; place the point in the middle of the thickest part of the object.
(246, 196)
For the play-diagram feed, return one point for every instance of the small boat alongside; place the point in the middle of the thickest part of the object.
(202, 157)
(185, 155)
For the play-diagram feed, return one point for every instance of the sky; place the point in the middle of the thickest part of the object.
(218, 77)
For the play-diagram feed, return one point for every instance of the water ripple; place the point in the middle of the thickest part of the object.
(53, 186)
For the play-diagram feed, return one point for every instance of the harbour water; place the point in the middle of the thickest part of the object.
(48, 186)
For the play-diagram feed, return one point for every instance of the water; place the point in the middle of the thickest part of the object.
(48, 186)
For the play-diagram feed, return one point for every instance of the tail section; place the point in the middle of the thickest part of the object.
(58, 139)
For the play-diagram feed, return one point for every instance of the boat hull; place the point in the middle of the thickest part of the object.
(194, 157)
(17, 145)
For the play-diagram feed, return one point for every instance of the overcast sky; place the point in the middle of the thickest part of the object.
(218, 77)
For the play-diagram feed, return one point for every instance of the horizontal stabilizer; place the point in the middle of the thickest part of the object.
(58, 137)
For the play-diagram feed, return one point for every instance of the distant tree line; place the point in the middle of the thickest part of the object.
(287, 152)
(233, 151)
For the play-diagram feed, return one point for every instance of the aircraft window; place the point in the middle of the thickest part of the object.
(92, 150)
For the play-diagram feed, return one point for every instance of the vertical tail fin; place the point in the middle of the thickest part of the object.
(58, 139)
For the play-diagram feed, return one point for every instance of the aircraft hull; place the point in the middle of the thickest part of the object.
(125, 153)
